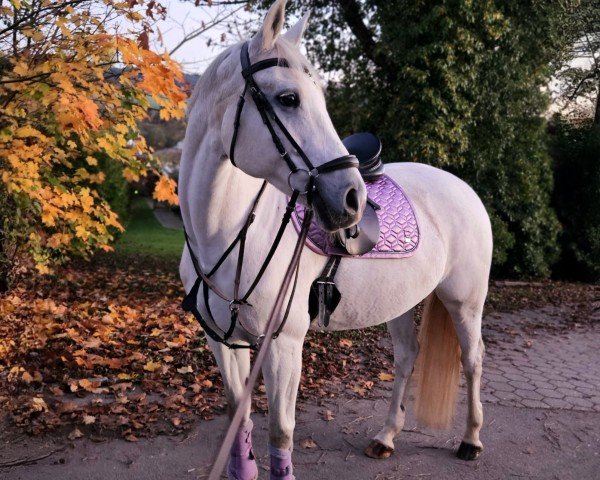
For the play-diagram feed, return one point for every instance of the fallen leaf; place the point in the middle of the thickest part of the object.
(308, 443)
(89, 419)
(327, 415)
(39, 404)
(186, 369)
(344, 342)
(76, 433)
(152, 366)
(386, 377)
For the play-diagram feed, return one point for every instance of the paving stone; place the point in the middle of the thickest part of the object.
(557, 403)
(579, 384)
(507, 396)
(501, 386)
(569, 392)
(543, 384)
(560, 383)
(522, 385)
(549, 393)
(533, 376)
(529, 394)
(533, 403)
(527, 369)
(517, 377)
(493, 377)
(587, 391)
(579, 402)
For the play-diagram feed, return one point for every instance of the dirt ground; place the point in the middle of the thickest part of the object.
(541, 396)
(519, 443)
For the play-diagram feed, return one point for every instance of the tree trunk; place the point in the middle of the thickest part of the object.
(597, 109)
(4, 266)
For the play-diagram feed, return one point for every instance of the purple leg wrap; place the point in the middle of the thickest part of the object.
(281, 464)
(242, 465)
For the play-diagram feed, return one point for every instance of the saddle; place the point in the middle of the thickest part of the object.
(367, 148)
(361, 238)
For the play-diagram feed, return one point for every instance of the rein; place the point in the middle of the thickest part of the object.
(306, 177)
(298, 176)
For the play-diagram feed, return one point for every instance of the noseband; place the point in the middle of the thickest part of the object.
(308, 174)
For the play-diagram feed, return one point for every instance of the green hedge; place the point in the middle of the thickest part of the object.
(576, 199)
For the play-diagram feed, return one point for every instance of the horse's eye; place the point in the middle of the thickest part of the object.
(289, 99)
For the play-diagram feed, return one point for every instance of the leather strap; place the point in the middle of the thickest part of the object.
(269, 118)
(190, 302)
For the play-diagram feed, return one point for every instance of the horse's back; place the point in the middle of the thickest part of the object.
(439, 193)
(445, 201)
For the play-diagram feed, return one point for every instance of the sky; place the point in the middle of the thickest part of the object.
(183, 18)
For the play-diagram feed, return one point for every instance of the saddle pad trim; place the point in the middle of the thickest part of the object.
(399, 237)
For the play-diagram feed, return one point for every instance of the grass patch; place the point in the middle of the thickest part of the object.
(145, 236)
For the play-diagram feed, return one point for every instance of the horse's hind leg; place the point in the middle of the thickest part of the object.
(466, 316)
(402, 330)
(235, 368)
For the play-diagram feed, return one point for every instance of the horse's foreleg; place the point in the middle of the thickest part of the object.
(281, 372)
(235, 368)
(402, 330)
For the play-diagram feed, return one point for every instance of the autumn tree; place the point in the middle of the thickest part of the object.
(76, 77)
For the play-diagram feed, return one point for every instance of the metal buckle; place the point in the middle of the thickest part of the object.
(324, 291)
(259, 341)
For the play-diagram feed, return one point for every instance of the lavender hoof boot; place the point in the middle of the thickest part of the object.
(281, 464)
(242, 465)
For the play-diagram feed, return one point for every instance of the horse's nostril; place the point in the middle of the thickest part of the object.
(352, 201)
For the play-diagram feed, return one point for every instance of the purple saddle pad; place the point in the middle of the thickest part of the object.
(399, 236)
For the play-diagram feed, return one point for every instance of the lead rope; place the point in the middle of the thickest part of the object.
(223, 455)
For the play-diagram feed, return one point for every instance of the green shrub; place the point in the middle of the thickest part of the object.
(115, 189)
(576, 153)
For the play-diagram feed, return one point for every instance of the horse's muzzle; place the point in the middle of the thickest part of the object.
(339, 206)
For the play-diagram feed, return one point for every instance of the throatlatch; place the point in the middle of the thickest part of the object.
(301, 182)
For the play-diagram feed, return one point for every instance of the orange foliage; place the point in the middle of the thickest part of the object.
(72, 93)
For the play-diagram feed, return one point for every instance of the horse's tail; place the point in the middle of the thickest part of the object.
(437, 366)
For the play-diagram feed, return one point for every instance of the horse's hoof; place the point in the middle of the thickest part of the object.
(378, 450)
(466, 451)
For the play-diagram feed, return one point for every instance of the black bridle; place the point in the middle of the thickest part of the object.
(269, 116)
(308, 174)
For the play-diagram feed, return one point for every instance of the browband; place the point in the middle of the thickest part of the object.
(264, 64)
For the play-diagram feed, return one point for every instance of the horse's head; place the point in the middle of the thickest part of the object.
(293, 91)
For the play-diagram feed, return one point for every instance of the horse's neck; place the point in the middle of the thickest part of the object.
(216, 199)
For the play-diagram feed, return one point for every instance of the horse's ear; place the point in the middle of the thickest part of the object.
(272, 26)
(295, 33)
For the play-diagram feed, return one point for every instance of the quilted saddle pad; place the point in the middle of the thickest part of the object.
(399, 235)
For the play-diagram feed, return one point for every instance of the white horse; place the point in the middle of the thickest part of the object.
(450, 267)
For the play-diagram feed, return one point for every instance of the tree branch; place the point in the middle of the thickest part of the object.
(589, 76)
(352, 15)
